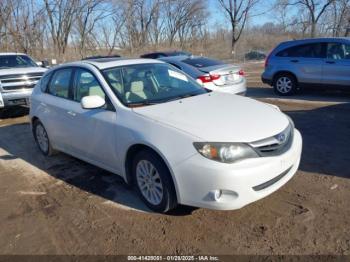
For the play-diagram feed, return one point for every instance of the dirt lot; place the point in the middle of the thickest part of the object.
(60, 205)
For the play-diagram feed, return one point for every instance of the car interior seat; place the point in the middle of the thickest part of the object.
(137, 92)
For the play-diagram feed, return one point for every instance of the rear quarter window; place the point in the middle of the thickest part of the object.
(202, 62)
(45, 81)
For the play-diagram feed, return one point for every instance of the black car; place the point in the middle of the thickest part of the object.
(157, 55)
(100, 56)
(255, 55)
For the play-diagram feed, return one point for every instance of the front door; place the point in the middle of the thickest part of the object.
(336, 68)
(94, 135)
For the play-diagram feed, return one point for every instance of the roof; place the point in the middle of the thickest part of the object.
(103, 63)
(320, 39)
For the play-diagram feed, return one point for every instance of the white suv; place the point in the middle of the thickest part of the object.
(155, 126)
(18, 75)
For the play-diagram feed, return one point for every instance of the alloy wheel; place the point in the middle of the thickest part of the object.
(42, 138)
(284, 85)
(149, 182)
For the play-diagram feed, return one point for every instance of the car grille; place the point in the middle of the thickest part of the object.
(19, 81)
(275, 145)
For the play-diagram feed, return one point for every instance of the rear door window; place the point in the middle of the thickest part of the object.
(59, 85)
(307, 50)
(202, 62)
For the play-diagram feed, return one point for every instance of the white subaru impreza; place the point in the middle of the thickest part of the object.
(160, 130)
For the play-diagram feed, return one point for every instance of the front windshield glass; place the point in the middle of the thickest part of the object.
(150, 84)
(14, 61)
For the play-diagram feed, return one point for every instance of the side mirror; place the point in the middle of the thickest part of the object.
(92, 102)
(45, 63)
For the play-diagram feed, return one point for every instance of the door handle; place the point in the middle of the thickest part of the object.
(330, 62)
(71, 113)
(294, 61)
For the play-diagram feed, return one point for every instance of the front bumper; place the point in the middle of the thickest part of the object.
(241, 183)
(238, 89)
(13, 98)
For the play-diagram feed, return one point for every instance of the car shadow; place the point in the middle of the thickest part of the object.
(18, 143)
(13, 112)
(307, 95)
(326, 139)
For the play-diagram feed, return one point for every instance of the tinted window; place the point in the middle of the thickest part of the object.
(307, 50)
(59, 85)
(86, 85)
(338, 51)
(10, 61)
(202, 62)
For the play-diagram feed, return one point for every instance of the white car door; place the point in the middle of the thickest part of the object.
(93, 131)
(55, 109)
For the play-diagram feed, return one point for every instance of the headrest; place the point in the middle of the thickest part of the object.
(136, 87)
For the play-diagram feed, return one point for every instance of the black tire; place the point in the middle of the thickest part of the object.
(291, 84)
(49, 151)
(168, 200)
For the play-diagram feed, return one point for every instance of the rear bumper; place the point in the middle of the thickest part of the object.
(18, 97)
(238, 89)
(266, 80)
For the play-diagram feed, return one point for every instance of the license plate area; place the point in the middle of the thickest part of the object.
(231, 78)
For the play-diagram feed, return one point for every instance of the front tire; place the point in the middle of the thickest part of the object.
(42, 138)
(285, 84)
(153, 181)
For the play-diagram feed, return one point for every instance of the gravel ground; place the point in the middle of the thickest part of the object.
(61, 205)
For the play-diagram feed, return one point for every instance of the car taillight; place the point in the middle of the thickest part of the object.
(208, 78)
(267, 59)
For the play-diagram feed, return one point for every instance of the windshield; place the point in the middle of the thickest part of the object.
(144, 84)
(11, 61)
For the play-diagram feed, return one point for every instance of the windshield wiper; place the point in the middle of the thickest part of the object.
(180, 97)
(143, 103)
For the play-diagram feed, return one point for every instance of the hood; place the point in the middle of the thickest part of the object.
(219, 117)
(21, 70)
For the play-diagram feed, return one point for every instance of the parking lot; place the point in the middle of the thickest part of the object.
(61, 205)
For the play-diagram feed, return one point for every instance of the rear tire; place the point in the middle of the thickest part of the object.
(285, 84)
(153, 181)
(42, 139)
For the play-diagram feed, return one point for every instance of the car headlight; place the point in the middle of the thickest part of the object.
(225, 152)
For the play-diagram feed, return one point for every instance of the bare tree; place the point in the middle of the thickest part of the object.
(91, 12)
(315, 9)
(181, 15)
(237, 11)
(61, 15)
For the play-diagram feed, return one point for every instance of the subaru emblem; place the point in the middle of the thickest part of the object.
(281, 138)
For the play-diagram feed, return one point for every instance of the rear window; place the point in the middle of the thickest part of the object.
(315, 50)
(202, 62)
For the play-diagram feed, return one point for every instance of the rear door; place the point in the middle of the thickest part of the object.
(336, 67)
(55, 108)
(304, 60)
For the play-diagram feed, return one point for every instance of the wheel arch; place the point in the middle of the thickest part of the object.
(131, 153)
